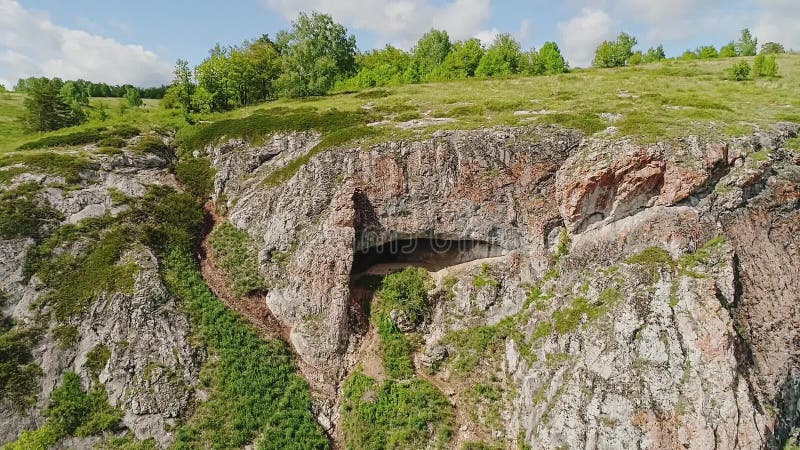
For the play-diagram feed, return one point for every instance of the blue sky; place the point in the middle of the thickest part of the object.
(122, 41)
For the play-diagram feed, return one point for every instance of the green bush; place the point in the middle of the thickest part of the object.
(153, 145)
(97, 358)
(197, 176)
(233, 252)
(22, 214)
(62, 140)
(765, 66)
(394, 415)
(69, 166)
(19, 373)
(472, 345)
(739, 71)
(406, 291)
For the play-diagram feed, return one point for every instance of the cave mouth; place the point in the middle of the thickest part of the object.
(430, 254)
(372, 263)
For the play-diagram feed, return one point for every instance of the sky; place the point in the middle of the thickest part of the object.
(121, 41)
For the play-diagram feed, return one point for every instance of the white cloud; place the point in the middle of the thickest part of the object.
(487, 37)
(399, 22)
(31, 45)
(779, 21)
(583, 33)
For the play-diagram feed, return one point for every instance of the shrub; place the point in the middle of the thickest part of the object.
(765, 66)
(406, 291)
(22, 214)
(707, 52)
(728, 50)
(153, 145)
(739, 71)
(19, 373)
(197, 176)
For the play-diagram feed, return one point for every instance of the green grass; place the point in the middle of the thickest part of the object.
(255, 392)
(22, 214)
(394, 415)
(71, 412)
(66, 164)
(473, 345)
(196, 174)
(234, 253)
(395, 349)
(97, 358)
(19, 373)
(485, 278)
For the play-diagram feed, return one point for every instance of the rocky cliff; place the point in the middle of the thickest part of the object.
(577, 292)
(636, 296)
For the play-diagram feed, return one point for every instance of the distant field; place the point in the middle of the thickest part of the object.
(657, 101)
(12, 135)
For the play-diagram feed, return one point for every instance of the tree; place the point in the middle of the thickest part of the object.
(747, 44)
(318, 52)
(551, 59)
(202, 100)
(45, 108)
(182, 84)
(3, 89)
(429, 53)
(133, 96)
(615, 53)
(503, 57)
(765, 66)
(688, 54)
(707, 52)
(771, 48)
(728, 50)
(636, 59)
(655, 54)
(463, 60)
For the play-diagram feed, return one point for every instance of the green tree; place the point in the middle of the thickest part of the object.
(429, 53)
(75, 94)
(318, 52)
(45, 108)
(463, 60)
(615, 53)
(636, 59)
(3, 88)
(747, 44)
(133, 97)
(728, 50)
(655, 54)
(380, 67)
(182, 84)
(503, 57)
(771, 48)
(551, 59)
(688, 54)
(202, 100)
(707, 52)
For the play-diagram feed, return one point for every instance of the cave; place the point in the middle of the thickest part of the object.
(430, 254)
(372, 262)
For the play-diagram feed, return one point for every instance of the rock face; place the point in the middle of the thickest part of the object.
(152, 370)
(692, 346)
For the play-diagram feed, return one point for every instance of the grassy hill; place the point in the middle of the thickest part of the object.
(657, 101)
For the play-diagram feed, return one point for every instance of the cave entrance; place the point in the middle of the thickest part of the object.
(430, 254)
(372, 263)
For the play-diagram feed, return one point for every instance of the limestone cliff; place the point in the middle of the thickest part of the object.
(652, 288)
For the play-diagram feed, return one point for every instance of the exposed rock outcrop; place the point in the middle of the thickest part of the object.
(697, 350)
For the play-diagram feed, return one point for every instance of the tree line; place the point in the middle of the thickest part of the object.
(93, 89)
(51, 103)
(318, 55)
